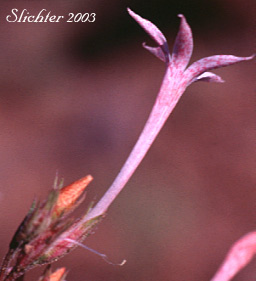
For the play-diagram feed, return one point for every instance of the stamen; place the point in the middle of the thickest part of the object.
(103, 256)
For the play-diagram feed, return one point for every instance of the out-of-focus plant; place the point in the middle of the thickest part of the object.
(47, 232)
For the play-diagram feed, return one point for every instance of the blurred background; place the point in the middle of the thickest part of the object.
(74, 98)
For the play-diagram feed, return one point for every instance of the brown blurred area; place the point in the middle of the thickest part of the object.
(74, 98)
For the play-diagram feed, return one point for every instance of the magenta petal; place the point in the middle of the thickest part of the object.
(209, 63)
(149, 27)
(183, 45)
(157, 51)
(208, 77)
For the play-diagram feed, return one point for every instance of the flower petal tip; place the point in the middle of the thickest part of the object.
(131, 13)
(183, 19)
(183, 46)
(149, 27)
(251, 57)
(247, 58)
(208, 77)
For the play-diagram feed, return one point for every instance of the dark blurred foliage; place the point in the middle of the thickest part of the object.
(74, 97)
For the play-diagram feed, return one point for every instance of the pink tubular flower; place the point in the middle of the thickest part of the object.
(240, 254)
(177, 78)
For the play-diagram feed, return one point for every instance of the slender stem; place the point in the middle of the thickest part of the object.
(167, 98)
